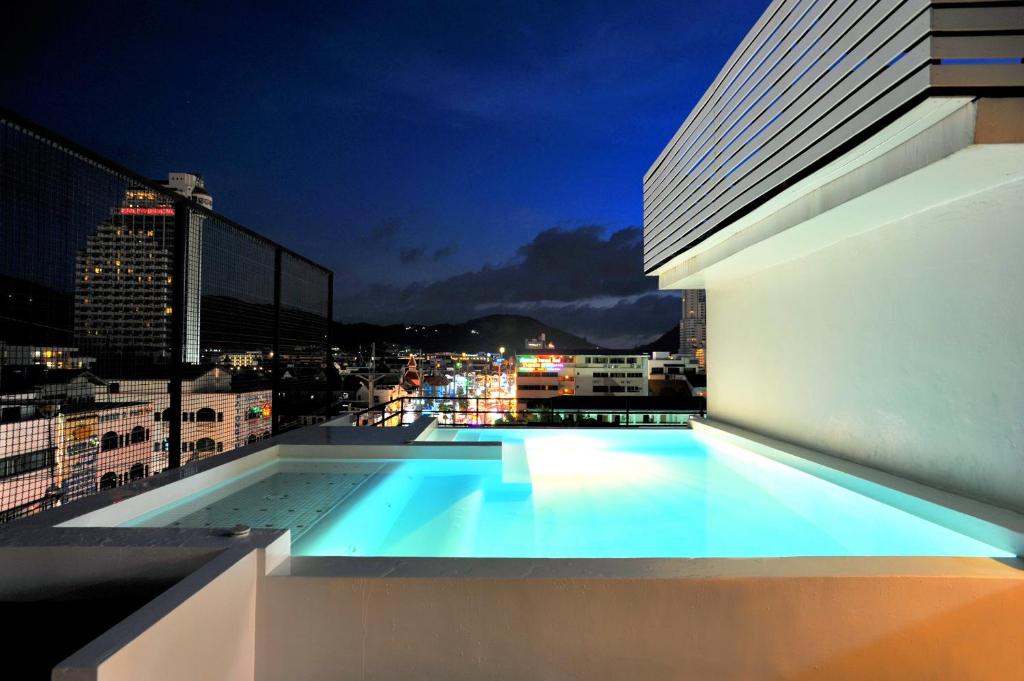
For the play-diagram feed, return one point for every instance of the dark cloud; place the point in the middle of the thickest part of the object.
(410, 255)
(442, 253)
(577, 279)
(627, 323)
(414, 254)
(385, 233)
(558, 265)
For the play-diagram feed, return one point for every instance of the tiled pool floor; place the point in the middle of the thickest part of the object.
(292, 500)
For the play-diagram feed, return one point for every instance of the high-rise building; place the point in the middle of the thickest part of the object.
(191, 186)
(693, 325)
(124, 275)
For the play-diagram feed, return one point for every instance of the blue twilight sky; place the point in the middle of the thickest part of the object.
(445, 159)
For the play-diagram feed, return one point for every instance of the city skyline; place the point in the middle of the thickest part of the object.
(390, 143)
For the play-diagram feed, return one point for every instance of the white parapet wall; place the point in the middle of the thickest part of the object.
(251, 614)
(676, 620)
(210, 635)
(201, 628)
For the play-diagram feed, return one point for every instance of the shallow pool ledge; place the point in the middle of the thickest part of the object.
(993, 525)
(411, 442)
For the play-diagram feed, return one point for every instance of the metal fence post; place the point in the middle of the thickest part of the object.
(327, 343)
(182, 224)
(275, 363)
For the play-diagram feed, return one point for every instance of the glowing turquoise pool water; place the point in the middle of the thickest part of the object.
(572, 493)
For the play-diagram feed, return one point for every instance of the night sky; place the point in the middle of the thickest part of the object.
(446, 160)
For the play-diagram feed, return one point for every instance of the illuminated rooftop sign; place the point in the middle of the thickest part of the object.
(146, 211)
(540, 363)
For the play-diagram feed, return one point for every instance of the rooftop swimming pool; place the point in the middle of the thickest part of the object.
(565, 493)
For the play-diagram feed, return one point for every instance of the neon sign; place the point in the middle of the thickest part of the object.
(146, 211)
(541, 363)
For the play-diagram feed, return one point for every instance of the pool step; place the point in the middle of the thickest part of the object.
(444, 434)
(515, 466)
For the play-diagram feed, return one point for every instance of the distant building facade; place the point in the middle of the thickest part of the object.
(124, 275)
(693, 325)
(243, 359)
(49, 356)
(214, 417)
(539, 343)
(583, 373)
(384, 390)
(65, 433)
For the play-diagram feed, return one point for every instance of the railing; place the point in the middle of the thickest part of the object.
(507, 412)
(812, 79)
(388, 413)
(139, 330)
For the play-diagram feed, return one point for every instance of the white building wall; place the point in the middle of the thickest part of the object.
(589, 375)
(616, 377)
(670, 368)
(899, 348)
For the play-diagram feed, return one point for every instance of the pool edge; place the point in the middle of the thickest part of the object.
(993, 525)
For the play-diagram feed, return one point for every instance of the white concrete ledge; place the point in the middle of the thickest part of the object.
(647, 568)
(863, 619)
(175, 489)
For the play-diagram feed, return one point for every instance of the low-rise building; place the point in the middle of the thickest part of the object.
(672, 374)
(665, 366)
(582, 372)
(65, 433)
(543, 375)
(385, 389)
(63, 452)
(50, 356)
(539, 343)
(214, 416)
(243, 359)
